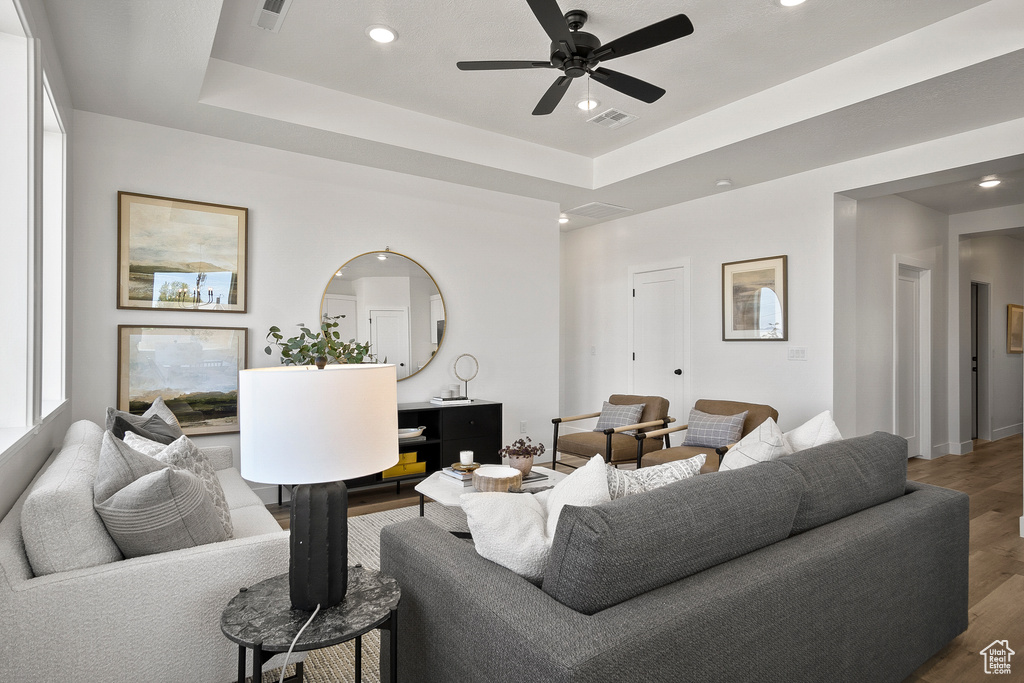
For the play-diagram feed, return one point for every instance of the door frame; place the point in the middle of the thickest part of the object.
(984, 407)
(632, 272)
(924, 361)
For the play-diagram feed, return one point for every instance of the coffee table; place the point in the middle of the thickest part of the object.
(446, 491)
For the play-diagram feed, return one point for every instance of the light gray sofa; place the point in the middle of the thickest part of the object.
(824, 565)
(152, 618)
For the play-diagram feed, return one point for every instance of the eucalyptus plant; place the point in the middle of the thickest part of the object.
(317, 348)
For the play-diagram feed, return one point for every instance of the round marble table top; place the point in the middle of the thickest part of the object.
(263, 613)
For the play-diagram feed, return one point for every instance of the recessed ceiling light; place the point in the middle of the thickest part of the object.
(338, 274)
(989, 182)
(563, 219)
(586, 104)
(791, 3)
(723, 182)
(381, 33)
(382, 257)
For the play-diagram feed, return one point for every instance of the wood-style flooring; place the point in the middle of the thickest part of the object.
(993, 476)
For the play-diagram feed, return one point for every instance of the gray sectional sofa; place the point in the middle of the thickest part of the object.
(823, 565)
(71, 609)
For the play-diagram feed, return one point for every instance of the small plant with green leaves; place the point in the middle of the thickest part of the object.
(317, 348)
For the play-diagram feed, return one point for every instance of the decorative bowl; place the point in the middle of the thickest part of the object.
(497, 478)
(410, 432)
(459, 467)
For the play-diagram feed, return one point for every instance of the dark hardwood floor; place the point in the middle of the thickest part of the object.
(993, 476)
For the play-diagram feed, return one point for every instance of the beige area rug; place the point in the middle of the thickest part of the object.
(337, 664)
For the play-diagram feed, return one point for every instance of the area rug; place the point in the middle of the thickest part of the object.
(337, 664)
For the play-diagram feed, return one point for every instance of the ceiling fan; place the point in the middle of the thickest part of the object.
(576, 53)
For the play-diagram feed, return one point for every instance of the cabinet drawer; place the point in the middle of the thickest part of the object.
(485, 450)
(463, 422)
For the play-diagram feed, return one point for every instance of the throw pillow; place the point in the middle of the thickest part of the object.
(627, 482)
(586, 486)
(183, 453)
(713, 431)
(508, 529)
(148, 507)
(154, 428)
(765, 443)
(615, 416)
(158, 408)
(817, 431)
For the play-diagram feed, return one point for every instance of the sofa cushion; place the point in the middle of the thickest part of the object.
(712, 431)
(149, 507)
(603, 555)
(237, 493)
(59, 526)
(844, 477)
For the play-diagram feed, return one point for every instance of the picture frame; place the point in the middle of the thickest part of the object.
(194, 369)
(1014, 328)
(178, 254)
(754, 300)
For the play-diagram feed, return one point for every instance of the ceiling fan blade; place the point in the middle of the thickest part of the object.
(553, 96)
(656, 34)
(627, 85)
(553, 22)
(494, 65)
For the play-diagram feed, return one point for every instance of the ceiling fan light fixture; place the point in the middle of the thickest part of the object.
(381, 34)
(989, 181)
(587, 104)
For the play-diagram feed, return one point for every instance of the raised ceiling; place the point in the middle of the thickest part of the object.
(826, 81)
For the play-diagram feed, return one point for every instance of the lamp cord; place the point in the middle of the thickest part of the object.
(290, 647)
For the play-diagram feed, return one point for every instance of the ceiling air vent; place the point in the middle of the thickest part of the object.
(613, 118)
(598, 210)
(270, 14)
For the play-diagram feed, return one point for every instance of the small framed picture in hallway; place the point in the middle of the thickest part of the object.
(1014, 328)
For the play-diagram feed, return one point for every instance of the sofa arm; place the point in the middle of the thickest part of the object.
(161, 611)
(221, 457)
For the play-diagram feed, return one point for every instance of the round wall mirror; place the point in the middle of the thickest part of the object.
(392, 302)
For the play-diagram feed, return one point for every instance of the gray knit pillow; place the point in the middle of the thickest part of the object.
(711, 431)
(615, 416)
(149, 507)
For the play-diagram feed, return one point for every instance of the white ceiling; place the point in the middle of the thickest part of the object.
(757, 92)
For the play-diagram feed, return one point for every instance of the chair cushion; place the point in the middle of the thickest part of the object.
(669, 529)
(765, 443)
(844, 477)
(756, 412)
(59, 526)
(589, 444)
(712, 431)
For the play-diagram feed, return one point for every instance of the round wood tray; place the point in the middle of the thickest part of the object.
(499, 478)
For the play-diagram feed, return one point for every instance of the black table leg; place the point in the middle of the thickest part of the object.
(241, 664)
(359, 659)
(393, 627)
(421, 505)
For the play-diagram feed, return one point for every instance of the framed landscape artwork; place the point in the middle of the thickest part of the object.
(1014, 328)
(174, 254)
(754, 306)
(194, 369)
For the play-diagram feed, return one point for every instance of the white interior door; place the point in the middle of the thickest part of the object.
(907, 357)
(340, 304)
(659, 362)
(389, 336)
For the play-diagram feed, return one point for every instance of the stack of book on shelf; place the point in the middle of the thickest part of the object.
(406, 465)
(465, 478)
(454, 401)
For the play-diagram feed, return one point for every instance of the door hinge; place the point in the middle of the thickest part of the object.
(634, 292)
(634, 356)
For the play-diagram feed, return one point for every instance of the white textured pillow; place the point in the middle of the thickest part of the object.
(508, 529)
(586, 486)
(817, 431)
(765, 443)
(627, 482)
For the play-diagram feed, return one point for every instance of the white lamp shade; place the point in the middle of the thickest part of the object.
(301, 425)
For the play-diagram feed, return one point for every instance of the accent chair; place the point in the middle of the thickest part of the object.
(614, 444)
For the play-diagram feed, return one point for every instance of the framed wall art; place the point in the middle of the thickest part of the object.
(1014, 328)
(174, 254)
(194, 369)
(754, 306)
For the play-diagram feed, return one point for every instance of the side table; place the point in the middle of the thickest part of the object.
(261, 617)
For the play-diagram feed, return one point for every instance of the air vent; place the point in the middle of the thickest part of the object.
(598, 210)
(613, 118)
(270, 14)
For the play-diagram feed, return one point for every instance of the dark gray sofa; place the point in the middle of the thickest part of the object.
(824, 565)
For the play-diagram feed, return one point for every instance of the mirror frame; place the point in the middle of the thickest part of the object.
(444, 306)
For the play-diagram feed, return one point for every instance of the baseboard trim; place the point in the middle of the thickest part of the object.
(1022, 527)
(963, 448)
(1004, 432)
(939, 451)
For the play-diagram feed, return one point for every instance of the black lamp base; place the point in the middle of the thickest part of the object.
(318, 564)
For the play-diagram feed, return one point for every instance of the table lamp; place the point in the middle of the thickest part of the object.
(314, 428)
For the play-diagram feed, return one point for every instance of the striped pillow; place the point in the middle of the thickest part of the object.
(615, 416)
(712, 431)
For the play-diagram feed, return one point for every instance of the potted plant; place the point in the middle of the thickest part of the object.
(317, 348)
(521, 453)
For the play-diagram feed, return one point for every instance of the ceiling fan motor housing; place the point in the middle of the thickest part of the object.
(579, 62)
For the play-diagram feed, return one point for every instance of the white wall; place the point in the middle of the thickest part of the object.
(998, 260)
(796, 216)
(494, 257)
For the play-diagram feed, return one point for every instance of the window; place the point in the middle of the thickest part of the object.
(52, 352)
